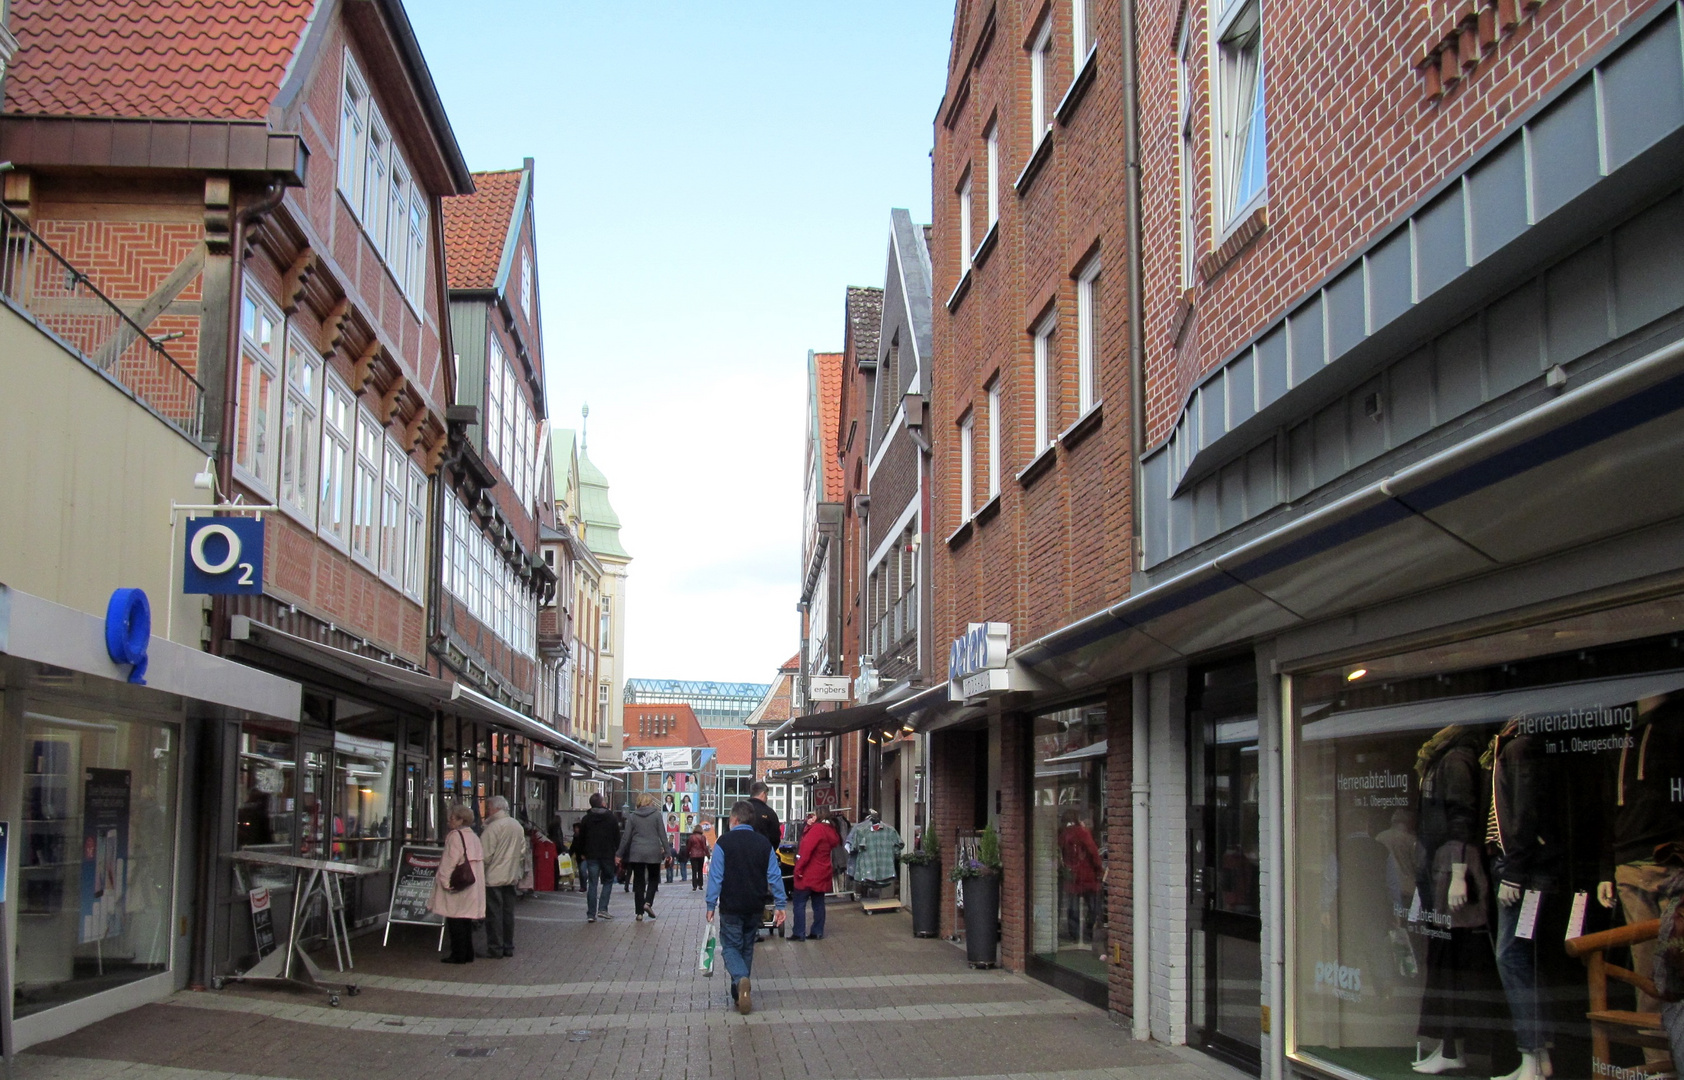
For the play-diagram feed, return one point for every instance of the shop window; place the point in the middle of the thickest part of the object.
(1453, 827)
(362, 821)
(267, 800)
(1068, 841)
(95, 854)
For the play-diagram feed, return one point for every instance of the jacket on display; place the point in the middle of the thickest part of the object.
(1528, 803)
(599, 838)
(1080, 857)
(645, 838)
(1453, 802)
(503, 841)
(1643, 815)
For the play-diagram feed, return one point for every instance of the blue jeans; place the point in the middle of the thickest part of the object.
(736, 942)
(598, 871)
(1517, 963)
(801, 898)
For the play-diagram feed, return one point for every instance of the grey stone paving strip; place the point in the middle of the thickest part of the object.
(354, 1020)
(40, 1067)
(605, 987)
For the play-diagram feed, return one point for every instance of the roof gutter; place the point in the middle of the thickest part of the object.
(428, 93)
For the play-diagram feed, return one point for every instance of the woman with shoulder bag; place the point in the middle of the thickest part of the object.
(459, 885)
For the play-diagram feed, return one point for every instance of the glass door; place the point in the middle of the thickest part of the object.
(1226, 910)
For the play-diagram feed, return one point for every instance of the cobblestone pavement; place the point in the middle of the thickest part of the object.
(623, 999)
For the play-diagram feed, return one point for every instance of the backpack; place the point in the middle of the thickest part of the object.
(839, 858)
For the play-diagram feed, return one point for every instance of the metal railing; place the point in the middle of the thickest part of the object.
(62, 300)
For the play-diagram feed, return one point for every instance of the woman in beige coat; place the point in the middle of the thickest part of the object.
(462, 906)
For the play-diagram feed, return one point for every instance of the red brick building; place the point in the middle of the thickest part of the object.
(1405, 326)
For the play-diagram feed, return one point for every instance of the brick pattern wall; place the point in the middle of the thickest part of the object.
(1119, 855)
(1355, 138)
(953, 769)
(1013, 823)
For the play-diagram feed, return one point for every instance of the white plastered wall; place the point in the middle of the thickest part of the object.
(1167, 757)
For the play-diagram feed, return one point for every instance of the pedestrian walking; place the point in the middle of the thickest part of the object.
(812, 875)
(696, 850)
(599, 839)
(744, 870)
(504, 842)
(460, 906)
(576, 851)
(765, 821)
(643, 847)
(672, 858)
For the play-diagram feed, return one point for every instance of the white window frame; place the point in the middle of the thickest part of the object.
(415, 535)
(365, 488)
(396, 245)
(376, 176)
(262, 344)
(394, 482)
(526, 284)
(339, 422)
(965, 235)
(300, 428)
(967, 455)
(1040, 107)
(353, 132)
(605, 629)
(991, 141)
(1185, 156)
(993, 439)
(495, 362)
(380, 188)
(1240, 96)
(1083, 37)
(1087, 338)
(1045, 420)
(415, 285)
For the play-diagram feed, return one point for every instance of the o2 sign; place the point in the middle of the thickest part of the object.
(224, 556)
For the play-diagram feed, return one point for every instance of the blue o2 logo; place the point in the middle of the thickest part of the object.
(223, 556)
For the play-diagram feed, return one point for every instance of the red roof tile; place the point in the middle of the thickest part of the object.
(153, 59)
(830, 404)
(476, 229)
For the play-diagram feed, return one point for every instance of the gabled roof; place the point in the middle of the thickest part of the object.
(827, 377)
(152, 59)
(479, 229)
(865, 321)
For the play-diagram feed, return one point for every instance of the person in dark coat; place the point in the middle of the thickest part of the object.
(765, 821)
(696, 850)
(599, 840)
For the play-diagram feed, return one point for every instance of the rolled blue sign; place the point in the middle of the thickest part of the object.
(128, 631)
(224, 556)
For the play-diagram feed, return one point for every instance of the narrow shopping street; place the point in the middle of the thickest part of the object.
(623, 999)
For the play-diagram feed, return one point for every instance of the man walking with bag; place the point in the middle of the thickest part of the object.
(599, 840)
(503, 840)
(744, 869)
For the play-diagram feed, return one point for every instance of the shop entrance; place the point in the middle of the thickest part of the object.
(1226, 917)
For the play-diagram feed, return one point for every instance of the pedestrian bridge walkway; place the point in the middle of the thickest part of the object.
(619, 998)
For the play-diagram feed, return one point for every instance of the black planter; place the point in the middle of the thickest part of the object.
(982, 919)
(926, 899)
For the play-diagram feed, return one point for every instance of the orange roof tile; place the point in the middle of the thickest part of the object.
(153, 59)
(830, 405)
(735, 745)
(476, 229)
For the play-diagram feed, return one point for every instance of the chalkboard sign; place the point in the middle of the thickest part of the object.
(413, 888)
(262, 922)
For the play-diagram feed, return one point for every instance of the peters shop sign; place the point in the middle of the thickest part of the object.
(976, 661)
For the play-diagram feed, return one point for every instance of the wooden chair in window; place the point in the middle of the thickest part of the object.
(1623, 1026)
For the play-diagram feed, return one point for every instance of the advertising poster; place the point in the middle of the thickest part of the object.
(105, 853)
(262, 922)
(413, 889)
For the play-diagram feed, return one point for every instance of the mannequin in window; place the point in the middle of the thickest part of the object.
(1083, 870)
(1644, 817)
(1525, 837)
(1451, 891)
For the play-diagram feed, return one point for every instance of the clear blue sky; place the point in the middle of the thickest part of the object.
(711, 176)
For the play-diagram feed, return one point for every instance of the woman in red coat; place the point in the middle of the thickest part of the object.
(812, 875)
(1082, 872)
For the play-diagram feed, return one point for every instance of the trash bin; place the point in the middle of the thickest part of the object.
(543, 864)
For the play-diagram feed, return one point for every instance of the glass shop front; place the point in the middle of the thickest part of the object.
(1478, 856)
(1068, 931)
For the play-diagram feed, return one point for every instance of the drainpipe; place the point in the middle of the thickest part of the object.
(1141, 786)
(1136, 289)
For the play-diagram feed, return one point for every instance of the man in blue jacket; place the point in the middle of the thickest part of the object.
(744, 869)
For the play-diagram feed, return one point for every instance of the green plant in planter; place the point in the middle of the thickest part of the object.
(928, 850)
(985, 863)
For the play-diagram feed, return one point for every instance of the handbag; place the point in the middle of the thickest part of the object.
(704, 959)
(462, 875)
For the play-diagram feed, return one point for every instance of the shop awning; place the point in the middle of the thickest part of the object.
(1568, 709)
(36, 629)
(472, 705)
(415, 687)
(836, 721)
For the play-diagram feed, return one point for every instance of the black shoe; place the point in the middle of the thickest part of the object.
(793, 937)
(453, 960)
(509, 954)
(734, 983)
(814, 937)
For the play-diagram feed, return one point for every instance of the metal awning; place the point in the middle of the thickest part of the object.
(836, 721)
(414, 687)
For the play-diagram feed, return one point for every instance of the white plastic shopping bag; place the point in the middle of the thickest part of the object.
(710, 945)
